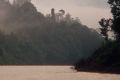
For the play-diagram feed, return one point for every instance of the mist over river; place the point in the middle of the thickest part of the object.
(50, 73)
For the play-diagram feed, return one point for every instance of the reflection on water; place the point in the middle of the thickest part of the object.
(50, 73)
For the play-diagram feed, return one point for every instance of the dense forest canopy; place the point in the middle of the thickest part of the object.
(29, 37)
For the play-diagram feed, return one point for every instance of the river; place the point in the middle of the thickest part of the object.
(50, 73)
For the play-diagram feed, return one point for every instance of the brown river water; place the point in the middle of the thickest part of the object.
(50, 73)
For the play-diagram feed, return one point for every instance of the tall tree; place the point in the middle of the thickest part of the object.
(115, 10)
(53, 14)
(114, 23)
(105, 27)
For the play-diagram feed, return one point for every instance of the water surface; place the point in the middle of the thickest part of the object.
(50, 73)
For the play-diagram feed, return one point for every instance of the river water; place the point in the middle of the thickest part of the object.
(50, 73)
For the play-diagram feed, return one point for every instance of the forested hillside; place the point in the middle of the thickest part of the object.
(29, 37)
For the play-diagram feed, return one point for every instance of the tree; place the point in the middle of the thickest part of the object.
(107, 57)
(114, 23)
(53, 14)
(115, 10)
(105, 25)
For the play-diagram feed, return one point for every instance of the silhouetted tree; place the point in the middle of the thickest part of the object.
(53, 14)
(115, 10)
(62, 11)
(114, 23)
(105, 25)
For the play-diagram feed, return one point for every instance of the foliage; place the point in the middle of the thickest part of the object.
(105, 24)
(29, 37)
(106, 58)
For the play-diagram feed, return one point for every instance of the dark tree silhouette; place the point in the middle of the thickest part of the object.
(115, 10)
(53, 14)
(111, 23)
(105, 27)
(104, 30)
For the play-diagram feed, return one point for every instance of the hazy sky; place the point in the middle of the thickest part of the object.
(89, 11)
